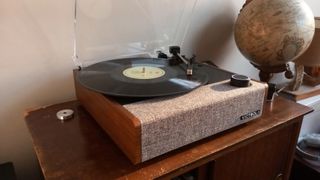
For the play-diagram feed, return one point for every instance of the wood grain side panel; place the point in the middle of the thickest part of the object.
(263, 159)
(122, 126)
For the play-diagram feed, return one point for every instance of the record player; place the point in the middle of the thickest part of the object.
(150, 106)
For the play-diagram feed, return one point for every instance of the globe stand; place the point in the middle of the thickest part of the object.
(266, 72)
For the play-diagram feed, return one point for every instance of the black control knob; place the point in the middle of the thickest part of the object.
(239, 80)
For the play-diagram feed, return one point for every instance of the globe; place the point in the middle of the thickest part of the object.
(270, 33)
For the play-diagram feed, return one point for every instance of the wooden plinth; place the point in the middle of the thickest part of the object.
(123, 127)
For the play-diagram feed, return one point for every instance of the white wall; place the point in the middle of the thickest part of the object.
(36, 64)
(35, 70)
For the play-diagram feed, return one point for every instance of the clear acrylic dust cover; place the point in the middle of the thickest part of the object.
(105, 29)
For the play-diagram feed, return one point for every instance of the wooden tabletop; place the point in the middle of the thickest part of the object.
(79, 148)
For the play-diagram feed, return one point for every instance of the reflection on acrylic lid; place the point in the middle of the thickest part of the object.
(106, 29)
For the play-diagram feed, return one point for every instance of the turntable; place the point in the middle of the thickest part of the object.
(150, 106)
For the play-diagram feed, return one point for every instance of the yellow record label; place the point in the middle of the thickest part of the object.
(143, 72)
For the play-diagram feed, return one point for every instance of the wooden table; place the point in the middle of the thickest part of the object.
(79, 148)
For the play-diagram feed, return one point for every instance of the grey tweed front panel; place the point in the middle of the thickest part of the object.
(169, 123)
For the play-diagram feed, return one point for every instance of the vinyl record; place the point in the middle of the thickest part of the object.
(140, 77)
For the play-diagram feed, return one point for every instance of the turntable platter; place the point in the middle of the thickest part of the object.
(140, 77)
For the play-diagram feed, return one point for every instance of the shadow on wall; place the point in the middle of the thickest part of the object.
(210, 44)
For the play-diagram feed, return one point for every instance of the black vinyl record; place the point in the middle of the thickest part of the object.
(140, 77)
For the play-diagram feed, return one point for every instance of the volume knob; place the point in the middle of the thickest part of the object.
(239, 80)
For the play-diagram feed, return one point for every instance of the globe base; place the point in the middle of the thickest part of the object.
(266, 72)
